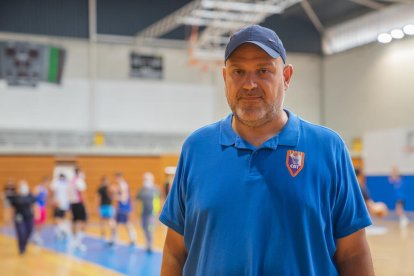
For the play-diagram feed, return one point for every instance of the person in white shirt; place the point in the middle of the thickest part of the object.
(77, 188)
(60, 200)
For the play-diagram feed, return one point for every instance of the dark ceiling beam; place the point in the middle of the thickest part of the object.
(312, 16)
(397, 1)
(370, 4)
(92, 23)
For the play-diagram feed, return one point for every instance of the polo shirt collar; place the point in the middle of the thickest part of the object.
(288, 136)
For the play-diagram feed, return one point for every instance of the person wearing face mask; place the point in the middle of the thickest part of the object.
(149, 195)
(22, 203)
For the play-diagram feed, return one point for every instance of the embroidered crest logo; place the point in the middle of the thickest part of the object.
(295, 161)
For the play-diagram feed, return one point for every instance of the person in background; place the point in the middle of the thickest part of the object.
(60, 202)
(9, 189)
(396, 180)
(77, 197)
(123, 210)
(149, 195)
(167, 184)
(22, 202)
(376, 209)
(41, 194)
(169, 175)
(106, 210)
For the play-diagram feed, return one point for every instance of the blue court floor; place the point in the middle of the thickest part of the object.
(121, 258)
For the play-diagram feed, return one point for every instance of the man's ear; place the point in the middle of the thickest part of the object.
(287, 74)
(223, 71)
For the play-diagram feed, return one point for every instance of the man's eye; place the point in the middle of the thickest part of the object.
(238, 72)
(263, 71)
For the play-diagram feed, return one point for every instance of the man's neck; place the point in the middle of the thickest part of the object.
(258, 135)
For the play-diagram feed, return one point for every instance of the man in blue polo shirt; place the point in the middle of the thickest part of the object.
(263, 192)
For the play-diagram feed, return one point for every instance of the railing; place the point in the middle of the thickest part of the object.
(57, 142)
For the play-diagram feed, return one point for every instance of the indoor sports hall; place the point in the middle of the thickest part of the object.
(102, 94)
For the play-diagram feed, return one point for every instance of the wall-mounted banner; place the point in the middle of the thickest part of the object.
(145, 66)
(25, 64)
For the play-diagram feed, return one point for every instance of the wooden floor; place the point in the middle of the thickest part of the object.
(46, 262)
(38, 261)
(392, 250)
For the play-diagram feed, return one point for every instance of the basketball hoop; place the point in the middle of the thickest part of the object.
(203, 64)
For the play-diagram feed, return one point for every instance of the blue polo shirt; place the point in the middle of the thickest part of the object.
(277, 209)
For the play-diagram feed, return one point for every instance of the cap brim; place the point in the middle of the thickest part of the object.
(265, 48)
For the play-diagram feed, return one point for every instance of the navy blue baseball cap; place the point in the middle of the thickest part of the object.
(263, 37)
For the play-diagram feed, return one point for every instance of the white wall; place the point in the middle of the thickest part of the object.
(386, 148)
(370, 88)
(304, 94)
(153, 107)
(135, 106)
(46, 107)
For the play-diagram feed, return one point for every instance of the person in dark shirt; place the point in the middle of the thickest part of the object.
(169, 176)
(106, 210)
(376, 209)
(22, 203)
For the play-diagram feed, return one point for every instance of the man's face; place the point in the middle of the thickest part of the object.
(255, 85)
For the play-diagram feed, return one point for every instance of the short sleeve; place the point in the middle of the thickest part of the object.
(81, 185)
(349, 211)
(173, 212)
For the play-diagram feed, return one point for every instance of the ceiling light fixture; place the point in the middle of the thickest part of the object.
(365, 29)
(397, 33)
(384, 38)
(409, 29)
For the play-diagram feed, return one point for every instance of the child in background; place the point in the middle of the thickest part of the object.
(106, 210)
(22, 203)
(123, 210)
(396, 180)
(60, 201)
(9, 189)
(77, 197)
(40, 193)
(376, 209)
(149, 195)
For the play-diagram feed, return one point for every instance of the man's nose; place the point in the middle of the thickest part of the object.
(250, 82)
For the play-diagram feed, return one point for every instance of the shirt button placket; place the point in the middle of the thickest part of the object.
(252, 167)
